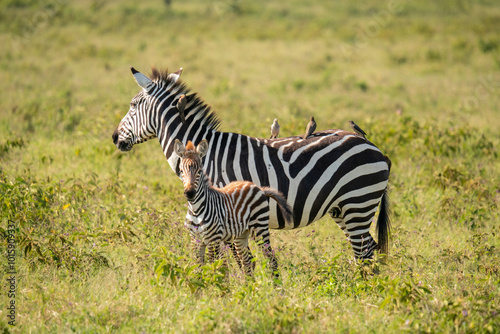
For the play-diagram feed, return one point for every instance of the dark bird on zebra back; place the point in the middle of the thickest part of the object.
(311, 127)
(357, 129)
(321, 175)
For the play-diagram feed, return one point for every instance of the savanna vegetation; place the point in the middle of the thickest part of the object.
(100, 240)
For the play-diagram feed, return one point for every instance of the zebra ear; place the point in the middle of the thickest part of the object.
(142, 80)
(176, 75)
(202, 148)
(179, 148)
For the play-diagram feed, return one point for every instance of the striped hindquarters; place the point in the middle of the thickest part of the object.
(247, 207)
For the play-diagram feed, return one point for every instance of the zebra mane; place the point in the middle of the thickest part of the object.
(190, 146)
(159, 75)
(197, 103)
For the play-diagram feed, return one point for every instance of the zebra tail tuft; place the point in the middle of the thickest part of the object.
(285, 208)
(384, 224)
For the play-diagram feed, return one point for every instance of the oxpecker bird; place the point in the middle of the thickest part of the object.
(310, 128)
(181, 104)
(357, 129)
(275, 129)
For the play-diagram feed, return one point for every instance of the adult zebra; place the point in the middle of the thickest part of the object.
(333, 171)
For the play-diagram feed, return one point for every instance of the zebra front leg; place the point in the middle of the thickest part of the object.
(265, 246)
(244, 254)
(215, 253)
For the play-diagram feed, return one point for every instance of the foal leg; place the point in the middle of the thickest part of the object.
(241, 244)
(232, 247)
(214, 252)
(198, 250)
(235, 253)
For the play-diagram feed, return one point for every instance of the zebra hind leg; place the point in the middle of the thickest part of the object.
(358, 227)
(355, 220)
(364, 245)
(232, 247)
(335, 214)
(362, 242)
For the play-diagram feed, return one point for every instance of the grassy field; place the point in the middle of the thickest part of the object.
(100, 242)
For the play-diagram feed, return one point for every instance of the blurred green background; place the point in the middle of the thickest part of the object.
(421, 78)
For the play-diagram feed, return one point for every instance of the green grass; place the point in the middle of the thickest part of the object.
(100, 236)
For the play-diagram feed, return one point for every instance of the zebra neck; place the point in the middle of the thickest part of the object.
(199, 124)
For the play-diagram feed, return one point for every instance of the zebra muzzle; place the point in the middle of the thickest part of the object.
(190, 193)
(124, 146)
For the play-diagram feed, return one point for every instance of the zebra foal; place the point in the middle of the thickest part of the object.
(232, 213)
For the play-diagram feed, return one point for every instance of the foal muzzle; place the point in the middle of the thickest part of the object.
(190, 193)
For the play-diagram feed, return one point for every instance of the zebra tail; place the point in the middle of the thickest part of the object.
(384, 224)
(285, 208)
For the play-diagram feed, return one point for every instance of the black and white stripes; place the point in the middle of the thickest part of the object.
(333, 171)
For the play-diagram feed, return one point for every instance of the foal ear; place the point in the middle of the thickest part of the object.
(202, 148)
(179, 148)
